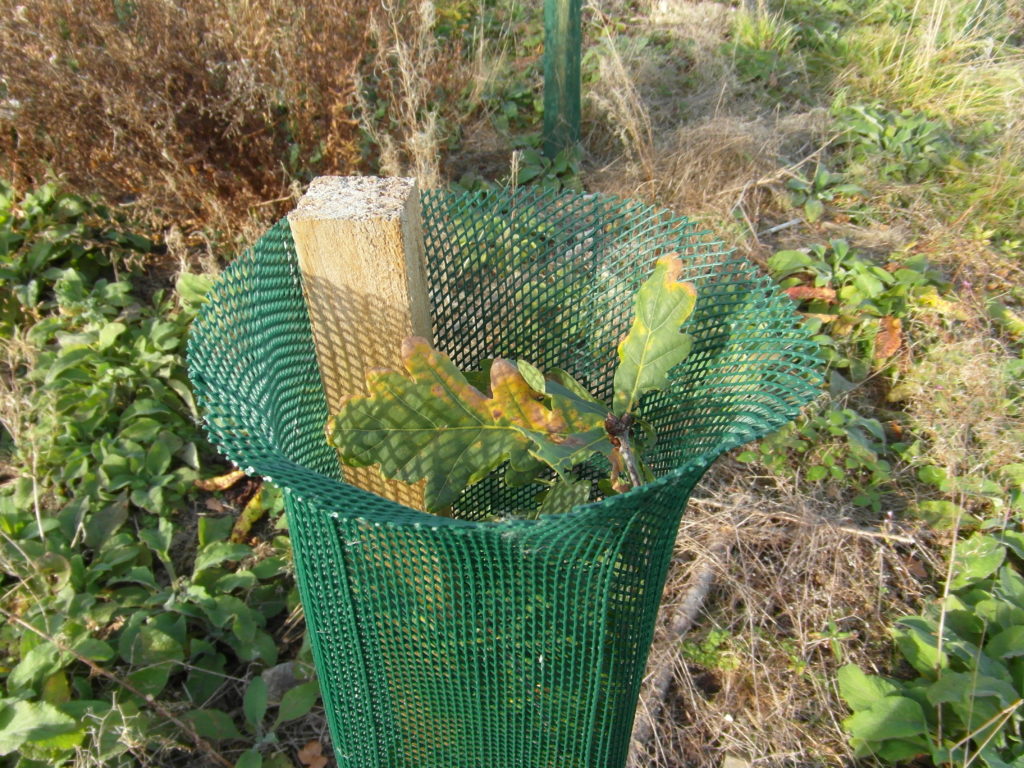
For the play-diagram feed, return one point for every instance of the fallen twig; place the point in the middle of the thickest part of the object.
(701, 579)
(780, 227)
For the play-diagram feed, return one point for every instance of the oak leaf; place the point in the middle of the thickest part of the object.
(654, 344)
(430, 422)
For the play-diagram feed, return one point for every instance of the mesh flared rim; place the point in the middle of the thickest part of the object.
(337, 498)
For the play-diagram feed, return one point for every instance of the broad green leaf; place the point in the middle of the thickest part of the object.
(56, 689)
(41, 661)
(1010, 587)
(159, 540)
(250, 759)
(192, 289)
(965, 686)
(206, 677)
(213, 724)
(976, 558)
(654, 344)
(860, 690)
(109, 333)
(941, 514)
(219, 552)
(158, 458)
(813, 209)
(105, 521)
(785, 263)
(29, 721)
(1006, 644)
(896, 751)
(524, 472)
(568, 382)
(1015, 541)
(564, 495)
(297, 702)
(433, 424)
(151, 646)
(254, 704)
(574, 447)
(918, 641)
(891, 717)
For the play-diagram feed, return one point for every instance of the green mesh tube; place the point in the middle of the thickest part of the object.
(454, 643)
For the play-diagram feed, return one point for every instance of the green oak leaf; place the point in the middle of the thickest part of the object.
(433, 424)
(519, 475)
(563, 496)
(654, 344)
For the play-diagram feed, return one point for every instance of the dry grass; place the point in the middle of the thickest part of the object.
(802, 590)
(202, 112)
(683, 131)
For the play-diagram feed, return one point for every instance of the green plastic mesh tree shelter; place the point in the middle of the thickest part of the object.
(457, 643)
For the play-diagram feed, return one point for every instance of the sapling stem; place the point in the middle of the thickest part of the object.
(629, 459)
(618, 428)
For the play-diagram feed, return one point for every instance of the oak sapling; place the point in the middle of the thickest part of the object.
(453, 428)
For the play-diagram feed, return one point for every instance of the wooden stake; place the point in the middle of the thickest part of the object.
(360, 249)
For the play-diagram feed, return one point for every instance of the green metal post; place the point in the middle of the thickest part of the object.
(562, 45)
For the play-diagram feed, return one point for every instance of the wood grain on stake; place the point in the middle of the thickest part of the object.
(360, 249)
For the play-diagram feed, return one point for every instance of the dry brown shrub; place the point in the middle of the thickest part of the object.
(800, 581)
(198, 109)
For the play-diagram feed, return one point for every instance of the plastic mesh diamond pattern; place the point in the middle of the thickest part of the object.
(458, 643)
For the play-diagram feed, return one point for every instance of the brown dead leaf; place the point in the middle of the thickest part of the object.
(916, 567)
(312, 755)
(889, 338)
(214, 505)
(822, 293)
(221, 483)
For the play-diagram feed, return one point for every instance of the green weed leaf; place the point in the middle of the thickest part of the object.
(254, 704)
(861, 690)
(219, 552)
(965, 686)
(890, 717)
(250, 759)
(654, 344)
(917, 639)
(31, 721)
(1007, 644)
(976, 558)
(42, 660)
(297, 702)
(192, 289)
(813, 209)
(213, 724)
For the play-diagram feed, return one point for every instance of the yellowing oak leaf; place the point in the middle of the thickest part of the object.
(432, 423)
(654, 344)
